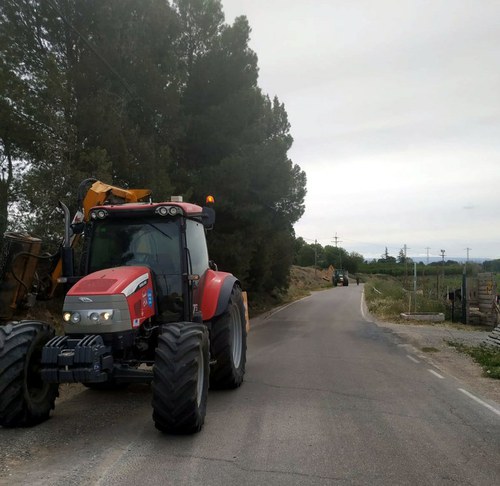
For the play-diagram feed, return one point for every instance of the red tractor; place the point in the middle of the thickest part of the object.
(150, 308)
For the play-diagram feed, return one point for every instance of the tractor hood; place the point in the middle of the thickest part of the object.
(111, 300)
(119, 280)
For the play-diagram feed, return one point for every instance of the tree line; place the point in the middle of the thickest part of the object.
(314, 254)
(146, 93)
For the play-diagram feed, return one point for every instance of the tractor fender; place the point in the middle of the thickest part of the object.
(217, 288)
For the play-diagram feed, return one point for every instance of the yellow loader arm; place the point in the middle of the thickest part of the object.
(97, 194)
(19, 263)
(100, 193)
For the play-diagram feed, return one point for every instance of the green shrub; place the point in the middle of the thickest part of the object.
(487, 356)
(387, 298)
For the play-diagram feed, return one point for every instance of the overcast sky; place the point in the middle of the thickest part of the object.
(395, 113)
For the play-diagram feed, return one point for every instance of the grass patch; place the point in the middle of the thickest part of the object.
(430, 349)
(387, 298)
(486, 356)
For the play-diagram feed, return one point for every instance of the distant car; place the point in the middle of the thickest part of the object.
(340, 278)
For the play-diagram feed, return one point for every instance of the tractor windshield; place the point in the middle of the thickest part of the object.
(132, 242)
(150, 242)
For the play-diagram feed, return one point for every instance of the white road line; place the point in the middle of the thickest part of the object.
(478, 400)
(283, 307)
(412, 359)
(436, 374)
(365, 317)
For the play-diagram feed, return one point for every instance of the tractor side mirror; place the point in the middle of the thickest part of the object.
(78, 228)
(208, 217)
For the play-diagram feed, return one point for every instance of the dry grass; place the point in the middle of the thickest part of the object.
(303, 280)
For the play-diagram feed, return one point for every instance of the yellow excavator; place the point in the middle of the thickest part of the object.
(26, 274)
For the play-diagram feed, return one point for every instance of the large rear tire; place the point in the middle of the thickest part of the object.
(25, 399)
(229, 344)
(180, 378)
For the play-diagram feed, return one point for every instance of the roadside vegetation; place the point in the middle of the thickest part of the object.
(387, 297)
(302, 281)
(486, 356)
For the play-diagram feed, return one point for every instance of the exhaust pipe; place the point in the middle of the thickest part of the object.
(67, 250)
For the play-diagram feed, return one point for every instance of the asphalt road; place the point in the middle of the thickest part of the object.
(329, 398)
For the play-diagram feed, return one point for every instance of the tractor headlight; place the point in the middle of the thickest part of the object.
(72, 317)
(98, 214)
(97, 316)
(168, 210)
(162, 210)
(89, 317)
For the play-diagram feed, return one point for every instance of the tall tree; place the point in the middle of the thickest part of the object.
(148, 93)
(236, 147)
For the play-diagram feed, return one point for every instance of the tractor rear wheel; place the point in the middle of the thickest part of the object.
(25, 399)
(180, 378)
(229, 345)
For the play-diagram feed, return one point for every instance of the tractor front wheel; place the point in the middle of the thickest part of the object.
(25, 399)
(229, 344)
(180, 378)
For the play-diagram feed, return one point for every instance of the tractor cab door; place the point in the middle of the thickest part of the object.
(198, 259)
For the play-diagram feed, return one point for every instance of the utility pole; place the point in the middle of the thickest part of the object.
(442, 256)
(405, 248)
(427, 248)
(464, 292)
(337, 241)
(315, 255)
(468, 250)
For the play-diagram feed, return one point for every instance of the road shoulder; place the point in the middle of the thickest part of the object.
(430, 343)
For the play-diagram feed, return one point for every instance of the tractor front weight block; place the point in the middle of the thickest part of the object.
(70, 360)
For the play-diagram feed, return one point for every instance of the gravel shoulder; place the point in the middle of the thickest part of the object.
(430, 343)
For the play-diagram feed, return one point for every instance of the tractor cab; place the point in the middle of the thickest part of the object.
(153, 242)
(165, 240)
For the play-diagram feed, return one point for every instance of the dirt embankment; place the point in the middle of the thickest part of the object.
(305, 279)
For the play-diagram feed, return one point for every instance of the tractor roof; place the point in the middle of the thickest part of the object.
(145, 208)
